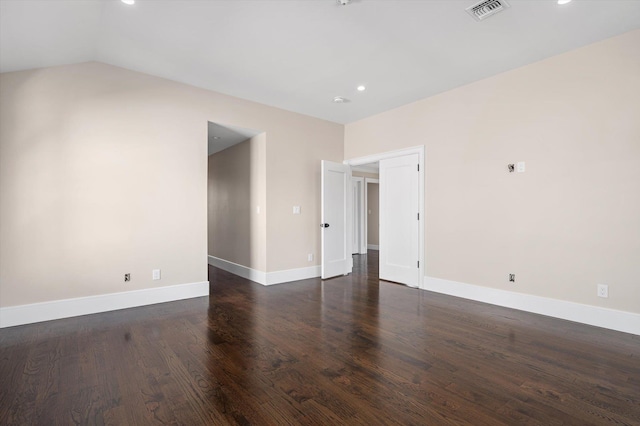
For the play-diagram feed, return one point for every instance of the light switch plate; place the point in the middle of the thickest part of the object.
(296, 209)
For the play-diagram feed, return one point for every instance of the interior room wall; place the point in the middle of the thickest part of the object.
(293, 179)
(373, 214)
(103, 171)
(258, 202)
(229, 202)
(570, 221)
(236, 189)
(373, 206)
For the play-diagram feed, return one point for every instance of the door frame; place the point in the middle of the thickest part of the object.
(358, 161)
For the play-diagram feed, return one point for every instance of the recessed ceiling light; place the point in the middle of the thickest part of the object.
(340, 100)
(564, 1)
(129, 2)
(361, 88)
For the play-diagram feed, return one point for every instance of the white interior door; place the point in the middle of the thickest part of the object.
(336, 218)
(399, 221)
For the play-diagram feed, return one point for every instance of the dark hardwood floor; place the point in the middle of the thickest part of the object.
(351, 350)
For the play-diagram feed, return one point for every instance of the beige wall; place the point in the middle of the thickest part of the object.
(236, 188)
(229, 203)
(293, 179)
(373, 214)
(258, 198)
(572, 219)
(103, 171)
(373, 221)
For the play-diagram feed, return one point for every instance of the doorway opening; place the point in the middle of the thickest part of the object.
(236, 194)
(401, 214)
(365, 196)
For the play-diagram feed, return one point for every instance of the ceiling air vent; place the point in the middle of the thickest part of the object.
(486, 8)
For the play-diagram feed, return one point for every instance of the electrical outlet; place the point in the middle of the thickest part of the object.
(127, 277)
(296, 209)
(155, 274)
(603, 290)
(520, 167)
(512, 278)
(310, 257)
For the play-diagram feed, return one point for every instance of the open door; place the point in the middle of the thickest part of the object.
(336, 240)
(399, 220)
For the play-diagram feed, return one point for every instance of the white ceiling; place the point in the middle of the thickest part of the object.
(299, 54)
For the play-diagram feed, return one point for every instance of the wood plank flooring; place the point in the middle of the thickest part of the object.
(352, 350)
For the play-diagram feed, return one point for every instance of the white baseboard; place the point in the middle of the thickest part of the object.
(288, 275)
(266, 278)
(373, 247)
(66, 308)
(627, 322)
(239, 270)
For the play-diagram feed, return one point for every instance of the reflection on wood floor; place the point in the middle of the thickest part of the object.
(351, 350)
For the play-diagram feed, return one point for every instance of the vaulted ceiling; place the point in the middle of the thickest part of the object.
(300, 54)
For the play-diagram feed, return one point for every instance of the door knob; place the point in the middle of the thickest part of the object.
(324, 225)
